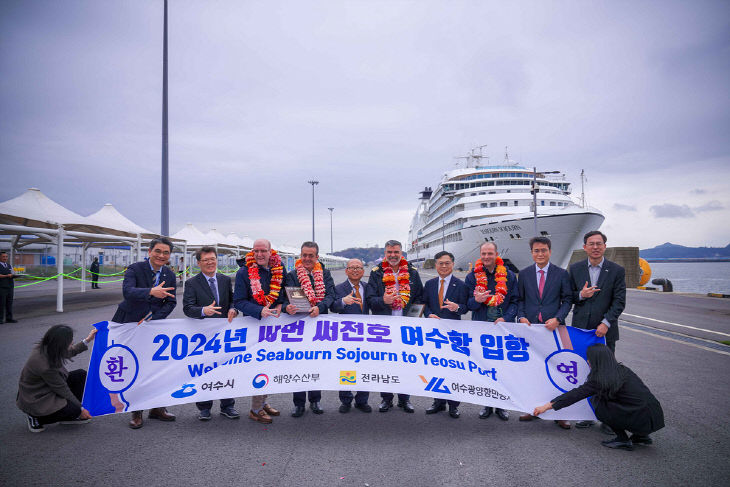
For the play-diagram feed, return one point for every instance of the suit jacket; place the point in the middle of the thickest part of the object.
(292, 280)
(94, 269)
(342, 290)
(377, 290)
(455, 292)
(557, 295)
(243, 299)
(42, 389)
(608, 303)
(633, 408)
(198, 295)
(6, 282)
(508, 306)
(138, 280)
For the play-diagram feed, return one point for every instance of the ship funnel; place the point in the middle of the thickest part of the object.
(426, 193)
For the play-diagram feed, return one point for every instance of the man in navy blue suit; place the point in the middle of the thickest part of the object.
(479, 303)
(445, 297)
(210, 295)
(545, 295)
(148, 289)
(350, 298)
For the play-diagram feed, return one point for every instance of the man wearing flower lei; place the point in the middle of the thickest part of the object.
(258, 294)
(319, 287)
(492, 297)
(394, 285)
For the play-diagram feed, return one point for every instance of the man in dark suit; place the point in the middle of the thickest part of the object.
(210, 295)
(319, 288)
(145, 293)
(387, 299)
(445, 297)
(258, 293)
(351, 298)
(599, 294)
(479, 301)
(545, 295)
(7, 289)
(94, 270)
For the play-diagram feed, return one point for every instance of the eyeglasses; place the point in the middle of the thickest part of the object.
(595, 244)
(208, 261)
(354, 268)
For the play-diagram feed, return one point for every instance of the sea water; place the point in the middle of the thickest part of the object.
(694, 277)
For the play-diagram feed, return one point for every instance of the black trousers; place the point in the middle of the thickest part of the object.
(361, 397)
(94, 281)
(300, 398)
(388, 396)
(6, 303)
(75, 381)
(225, 403)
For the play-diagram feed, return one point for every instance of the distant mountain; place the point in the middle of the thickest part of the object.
(672, 251)
(366, 254)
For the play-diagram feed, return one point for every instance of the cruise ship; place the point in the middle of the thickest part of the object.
(479, 202)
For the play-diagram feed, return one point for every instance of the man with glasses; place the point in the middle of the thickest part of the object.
(210, 295)
(445, 297)
(148, 289)
(545, 295)
(599, 295)
(351, 298)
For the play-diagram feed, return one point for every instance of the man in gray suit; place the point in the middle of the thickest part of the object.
(599, 295)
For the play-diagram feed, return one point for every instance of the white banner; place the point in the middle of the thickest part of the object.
(166, 362)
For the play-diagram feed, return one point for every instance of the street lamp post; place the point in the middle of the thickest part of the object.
(313, 183)
(332, 245)
(534, 192)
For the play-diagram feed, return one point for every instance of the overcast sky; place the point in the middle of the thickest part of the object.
(373, 99)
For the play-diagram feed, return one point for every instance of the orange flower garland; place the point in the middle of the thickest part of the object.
(500, 276)
(277, 275)
(404, 283)
(313, 295)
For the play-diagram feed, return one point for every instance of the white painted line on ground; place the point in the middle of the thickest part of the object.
(678, 341)
(677, 324)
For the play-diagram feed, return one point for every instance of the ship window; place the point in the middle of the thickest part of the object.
(517, 203)
(518, 236)
(542, 202)
(552, 203)
(492, 192)
(485, 205)
(509, 190)
(482, 192)
(473, 194)
(492, 205)
(502, 203)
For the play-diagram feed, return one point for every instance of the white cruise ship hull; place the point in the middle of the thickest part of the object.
(512, 236)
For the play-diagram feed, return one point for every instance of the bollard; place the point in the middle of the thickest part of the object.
(665, 283)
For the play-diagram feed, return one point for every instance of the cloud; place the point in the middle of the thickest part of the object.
(622, 207)
(668, 210)
(698, 191)
(713, 205)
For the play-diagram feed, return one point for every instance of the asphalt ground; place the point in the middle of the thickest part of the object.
(358, 449)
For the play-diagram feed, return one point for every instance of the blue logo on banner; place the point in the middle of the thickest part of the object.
(436, 384)
(184, 392)
(260, 381)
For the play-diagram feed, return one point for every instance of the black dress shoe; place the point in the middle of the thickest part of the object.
(11, 321)
(407, 406)
(314, 406)
(586, 423)
(436, 407)
(365, 408)
(502, 414)
(616, 443)
(454, 412)
(641, 440)
(345, 408)
(485, 412)
(385, 406)
(298, 411)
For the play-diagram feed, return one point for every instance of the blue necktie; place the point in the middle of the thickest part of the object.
(157, 278)
(214, 289)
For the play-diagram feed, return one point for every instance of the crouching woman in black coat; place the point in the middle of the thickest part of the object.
(47, 392)
(619, 400)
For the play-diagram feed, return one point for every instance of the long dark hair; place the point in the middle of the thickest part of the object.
(55, 344)
(605, 370)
